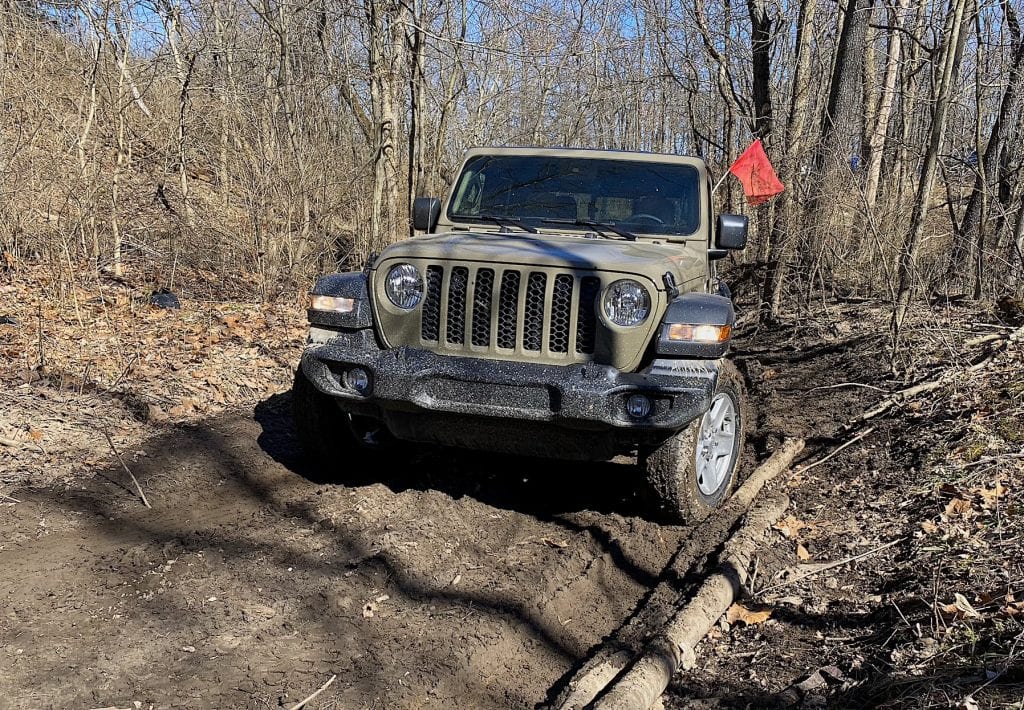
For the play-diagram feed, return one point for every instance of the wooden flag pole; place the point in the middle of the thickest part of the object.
(719, 183)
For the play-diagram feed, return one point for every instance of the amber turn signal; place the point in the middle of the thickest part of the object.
(335, 304)
(684, 332)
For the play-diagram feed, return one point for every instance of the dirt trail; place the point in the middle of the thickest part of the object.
(468, 581)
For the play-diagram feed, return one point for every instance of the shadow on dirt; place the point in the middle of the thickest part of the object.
(245, 530)
(536, 487)
(486, 568)
(549, 490)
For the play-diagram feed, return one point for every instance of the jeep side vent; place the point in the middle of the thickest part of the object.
(561, 314)
(586, 318)
(455, 333)
(483, 294)
(430, 330)
(508, 302)
(533, 312)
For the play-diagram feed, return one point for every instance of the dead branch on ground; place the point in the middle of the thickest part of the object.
(15, 444)
(614, 654)
(824, 567)
(647, 679)
(127, 470)
(302, 703)
(942, 380)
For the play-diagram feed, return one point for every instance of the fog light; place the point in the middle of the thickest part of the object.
(358, 379)
(638, 406)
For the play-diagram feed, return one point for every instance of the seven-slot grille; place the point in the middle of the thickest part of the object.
(510, 310)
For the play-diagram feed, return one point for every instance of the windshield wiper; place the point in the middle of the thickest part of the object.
(502, 221)
(599, 226)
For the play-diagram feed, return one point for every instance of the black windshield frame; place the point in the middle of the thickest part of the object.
(647, 198)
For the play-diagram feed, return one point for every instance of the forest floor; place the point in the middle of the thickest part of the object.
(474, 580)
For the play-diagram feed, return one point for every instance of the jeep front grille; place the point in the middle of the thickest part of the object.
(509, 310)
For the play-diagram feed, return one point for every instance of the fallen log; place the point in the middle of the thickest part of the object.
(653, 613)
(641, 686)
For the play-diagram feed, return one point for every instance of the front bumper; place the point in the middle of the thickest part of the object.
(579, 396)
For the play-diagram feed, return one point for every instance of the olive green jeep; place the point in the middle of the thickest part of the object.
(561, 303)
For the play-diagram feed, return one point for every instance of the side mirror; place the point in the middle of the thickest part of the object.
(425, 213)
(731, 232)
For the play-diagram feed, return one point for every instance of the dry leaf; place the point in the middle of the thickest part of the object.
(1013, 610)
(739, 613)
(790, 526)
(929, 527)
(801, 552)
(961, 608)
(958, 507)
(186, 407)
(560, 544)
(990, 496)
(35, 434)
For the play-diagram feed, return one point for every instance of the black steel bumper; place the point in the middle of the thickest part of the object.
(576, 397)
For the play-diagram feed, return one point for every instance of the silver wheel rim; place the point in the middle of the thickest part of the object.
(715, 445)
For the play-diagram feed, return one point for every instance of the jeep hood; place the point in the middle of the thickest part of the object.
(645, 258)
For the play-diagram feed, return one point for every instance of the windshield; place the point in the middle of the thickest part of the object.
(643, 197)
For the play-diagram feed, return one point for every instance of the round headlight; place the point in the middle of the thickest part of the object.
(404, 286)
(627, 303)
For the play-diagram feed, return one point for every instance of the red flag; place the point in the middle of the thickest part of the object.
(754, 170)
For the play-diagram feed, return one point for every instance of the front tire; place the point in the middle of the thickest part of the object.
(323, 430)
(693, 471)
(342, 446)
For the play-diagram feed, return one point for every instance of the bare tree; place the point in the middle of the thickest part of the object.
(954, 36)
(970, 237)
(878, 127)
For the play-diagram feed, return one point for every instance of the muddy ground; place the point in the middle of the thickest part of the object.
(472, 580)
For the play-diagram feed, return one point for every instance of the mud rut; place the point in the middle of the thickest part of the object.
(455, 581)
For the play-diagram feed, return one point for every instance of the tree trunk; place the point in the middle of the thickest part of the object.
(761, 39)
(844, 116)
(954, 35)
(880, 126)
(786, 215)
(830, 211)
(1018, 243)
(387, 63)
(971, 232)
(417, 88)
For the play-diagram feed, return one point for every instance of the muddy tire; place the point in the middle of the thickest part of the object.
(693, 471)
(341, 446)
(323, 430)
